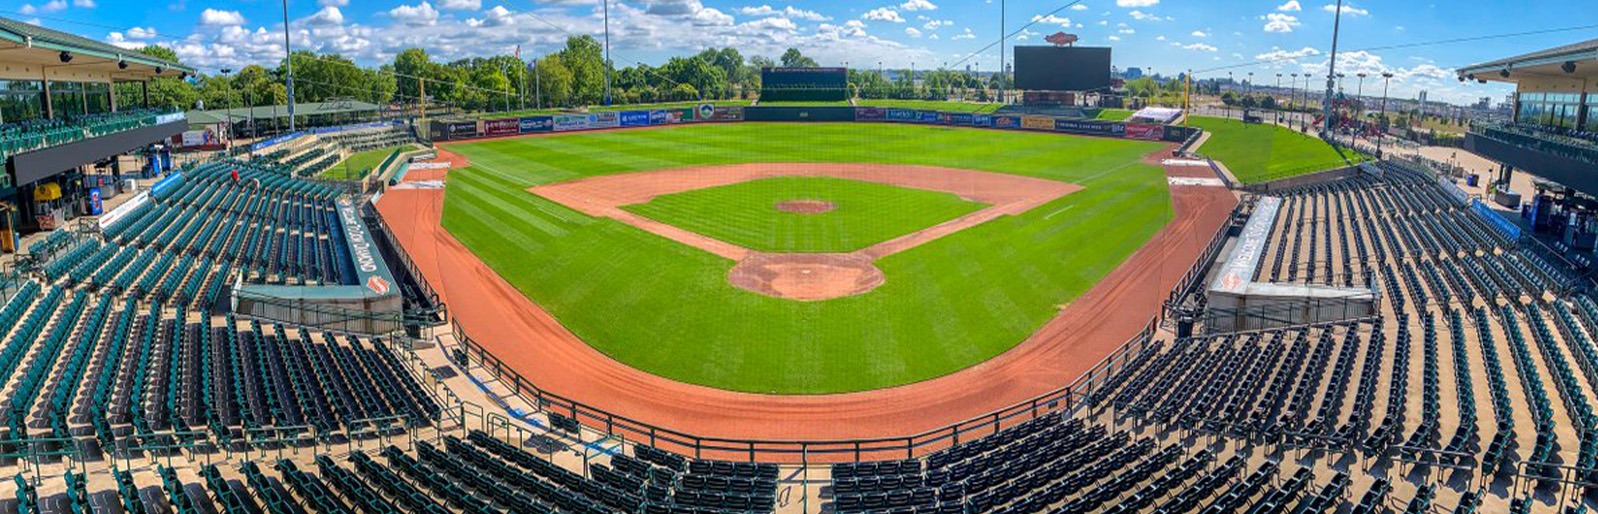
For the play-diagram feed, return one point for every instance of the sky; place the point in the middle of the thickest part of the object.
(1210, 37)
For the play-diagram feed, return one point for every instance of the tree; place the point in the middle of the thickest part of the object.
(168, 91)
(793, 59)
(583, 56)
(554, 81)
(410, 65)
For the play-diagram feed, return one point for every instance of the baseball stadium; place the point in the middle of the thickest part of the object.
(289, 281)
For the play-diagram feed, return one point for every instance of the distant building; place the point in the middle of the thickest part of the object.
(1485, 103)
(1132, 73)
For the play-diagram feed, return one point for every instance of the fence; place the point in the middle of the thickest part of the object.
(1065, 401)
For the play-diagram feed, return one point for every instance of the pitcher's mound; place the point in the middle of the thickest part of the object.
(806, 276)
(806, 206)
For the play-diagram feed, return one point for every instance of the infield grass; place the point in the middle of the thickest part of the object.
(1259, 152)
(666, 308)
(864, 213)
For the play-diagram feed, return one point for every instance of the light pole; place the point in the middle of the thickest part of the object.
(1331, 64)
(1229, 86)
(1385, 77)
(228, 94)
(1278, 91)
(288, 62)
(607, 51)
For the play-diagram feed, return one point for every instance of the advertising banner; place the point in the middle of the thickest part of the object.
(274, 141)
(901, 115)
(1238, 269)
(1453, 189)
(870, 113)
(727, 114)
(606, 120)
(461, 129)
(673, 116)
(957, 118)
(532, 124)
(1145, 132)
(1508, 228)
(504, 127)
(566, 122)
(114, 215)
(982, 120)
(1037, 122)
(928, 117)
(96, 206)
(1097, 128)
(1007, 122)
(707, 112)
(369, 264)
(633, 118)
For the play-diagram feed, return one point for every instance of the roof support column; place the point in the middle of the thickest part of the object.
(144, 89)
(49, 107)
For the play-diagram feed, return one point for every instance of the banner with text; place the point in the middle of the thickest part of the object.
(531, 124)
(504, 127)
(1145, 132)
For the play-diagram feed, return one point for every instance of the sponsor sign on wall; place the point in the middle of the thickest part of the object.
(532, 124)
(957, 118)
(371, 270)
(633, 118)
(727, 114)
(1007, 122)
(707, 111)
(461, 129)
(504, 127)
(96, 205)
(675, 116)
(275, 141)
(566, 122)
(982, 120)
(1037, 122)
(928, 117)
(901, 115)
(606, 119)
(1453, 189)
(870, 113)
(1145, 132)
(1097, 128)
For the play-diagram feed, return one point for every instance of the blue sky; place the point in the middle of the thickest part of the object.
(1166, 36)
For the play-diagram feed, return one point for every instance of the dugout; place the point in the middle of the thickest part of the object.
(1236, 302)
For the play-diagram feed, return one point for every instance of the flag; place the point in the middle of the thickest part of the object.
(518, 52)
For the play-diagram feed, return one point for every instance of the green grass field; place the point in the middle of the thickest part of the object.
(1114, 114)
(667, 308)
(359, 165)
(1259, 152)
(745, 214)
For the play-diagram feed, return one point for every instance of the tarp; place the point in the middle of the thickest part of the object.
(1238, 270)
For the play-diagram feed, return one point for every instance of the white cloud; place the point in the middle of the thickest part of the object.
(964, 35)
(84, 4)
(327, 16)
(912, 32)
(1290, 6)
(787, 12)
(883, 14)
(141, 32)
(1278, 55)
(1280, 23)
(1052, 20)
(460, 5)
(1201, 47)
(918, 5)
(333, 3)
(1136, 3)
(28, 9)
(937, 24)
(1079, 7)
(1348, 9)
(54, 5)
(1199, 33)
(415, 15)
(1127, 31)
(1161, 38)
(715, 18)
(1142, 16)
(1114, 38)
(1104, 23)
(674, 7)
(217, 18)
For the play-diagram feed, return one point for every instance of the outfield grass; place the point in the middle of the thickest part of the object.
(1259, 152)
(1114, 114)
(357, 166)
(864, 214)
(667, 308)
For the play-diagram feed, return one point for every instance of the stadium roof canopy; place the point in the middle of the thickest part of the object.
(27, 43)
(268, 112)
(1543, 63)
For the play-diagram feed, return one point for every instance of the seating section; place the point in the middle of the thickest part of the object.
(26, 136)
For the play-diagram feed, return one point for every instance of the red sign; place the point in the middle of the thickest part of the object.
(503, 127)
(1061, 39)
(377, 285)
(1145, 132)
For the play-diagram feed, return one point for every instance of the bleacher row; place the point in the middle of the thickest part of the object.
(268, 227)
(1481, 360)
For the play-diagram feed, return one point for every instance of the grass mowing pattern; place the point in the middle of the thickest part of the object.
(1260, 152)
(1114, 114)
(745, 214)
(667, 308)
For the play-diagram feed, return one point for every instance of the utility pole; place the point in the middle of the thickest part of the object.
(229, 145)
(607, 51)
(538, 87)
(1331, 72)
(1002, 36)
(288, 61)
(1386, 75)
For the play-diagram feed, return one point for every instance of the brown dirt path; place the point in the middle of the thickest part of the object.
(529, 340)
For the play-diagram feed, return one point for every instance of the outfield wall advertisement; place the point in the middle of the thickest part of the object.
(532, 124)
(1007, 122)
(870, 114)
(1038, 123)
(1095, 128)
(1145, 132)
(633, 118)
(505, 127)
